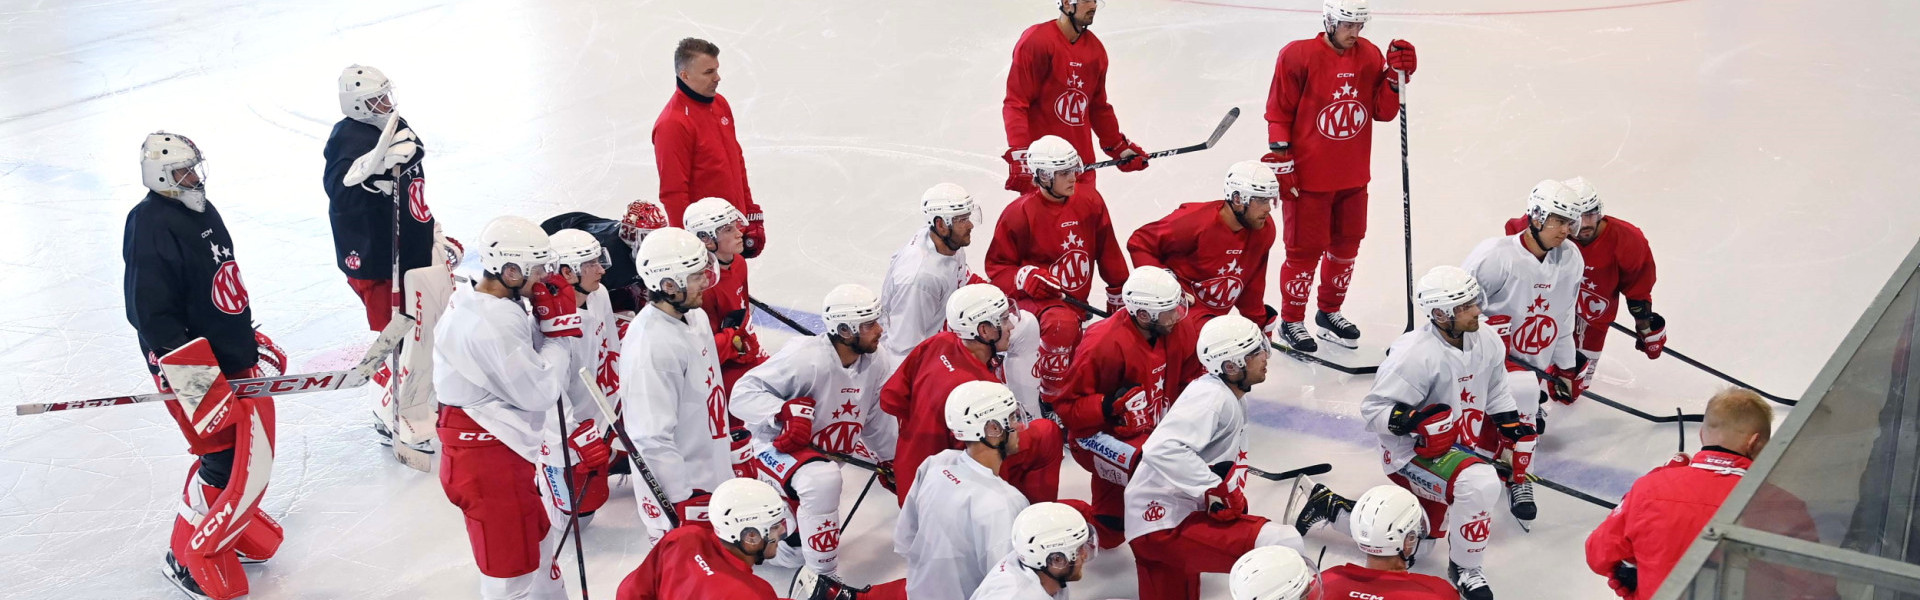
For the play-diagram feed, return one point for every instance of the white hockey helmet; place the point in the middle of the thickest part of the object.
(1272, 573)
(1249, 179)
(740, 506)
(1154, 290)
(516, 242)
(1446, 287)
(850, 306)
(1551, 197)
(1228, 339)
(946, 201)
(707, 216)
(1384, 519)
(642, 218)
(575, 248)
(1346, 11)
(1049, 155)
(671, 254)
(1050, 532)
(972, 305)
(165, 161)
(974, 404)
(366, 95)
(1584, 189)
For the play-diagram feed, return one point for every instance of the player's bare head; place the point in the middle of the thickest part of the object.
(1079, 13)
(1738, 419)
(1055, 165)
(1231, 347)
(852, 315)
(1155, 300)
(950, 214)
(1343, 20)
(1250, 190)
(697, 63)
(1451, 297)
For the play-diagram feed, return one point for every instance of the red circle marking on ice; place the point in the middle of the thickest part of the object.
(1443, 13)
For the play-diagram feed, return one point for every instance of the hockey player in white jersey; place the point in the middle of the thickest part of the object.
(957, 522)
(580, 261)
(1531, 281)
(1186, 504)
(499, 375)
(671, 391)
(1052, 543)
(820, 394)
(1444, 381)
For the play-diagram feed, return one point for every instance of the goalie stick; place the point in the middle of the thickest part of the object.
(633, 451)
(1082, 305)
(1226, 122)
(1710, 370)
(280, 385)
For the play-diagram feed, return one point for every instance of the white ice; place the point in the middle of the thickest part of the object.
(1765, 147)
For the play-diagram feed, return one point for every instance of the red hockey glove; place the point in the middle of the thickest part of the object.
(1130, 411)
(1563, 385)
(1509, 425)
(554, 306)
(1281, 161)
(742, 449)
(1019, 180)
(1036, 283)
(796, 425)
(736, 345)
(884, 472)
(1269, 321)
(1434, 431)
(272, 358)
(1653, 335)
(694, 508)
(1135, 162)
(587, 442)
(756, 235)
(1520, 457)
(1400, 57)
(1114, 302)
(1226, 501)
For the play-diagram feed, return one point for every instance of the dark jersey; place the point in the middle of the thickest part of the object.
(363, 218)
(182, 283)
(623, 278)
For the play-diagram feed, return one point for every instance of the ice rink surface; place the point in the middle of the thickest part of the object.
(1765, 148)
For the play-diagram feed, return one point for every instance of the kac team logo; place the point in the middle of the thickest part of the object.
(1154, 512)
(1345, 117)
(1592, 305)
(839, 437)
(1476, 531)
(417, 200)
(229, 293)
(1298, 287)
(1537, 333)
(1071, 105)
(1219, 292)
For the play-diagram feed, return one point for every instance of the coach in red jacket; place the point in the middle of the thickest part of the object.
(695, 147)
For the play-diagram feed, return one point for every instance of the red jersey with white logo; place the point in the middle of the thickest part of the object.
(698, 155)
(1220, 267)
(1619, 263)
(1323, 103)
(1059, 88)
(916, 394)
(1068, 240)
(690, 563)
(726, 304)
(1357, 582)
(1530, 301)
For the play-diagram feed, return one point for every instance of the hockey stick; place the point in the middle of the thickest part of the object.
(1226, 122)
(1082, 305)
(1308, 470)
(791, 583)
(1710, 370)
(790, 323)
(1506, 472)
(407, 455)
(633, 451)
(280, 385)
(1406, 196)
(573, 500)
(1678, 417)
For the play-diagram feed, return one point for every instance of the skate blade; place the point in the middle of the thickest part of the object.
(1297, 499)
(1328, 336)
(804, 580)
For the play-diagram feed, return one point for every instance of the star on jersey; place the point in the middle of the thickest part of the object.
(1466, 398)
(1073, 241)
(1233, 267)
(845, 409)
(220, 254)
(1346, 91)
(1074, 81)
(1539, 305)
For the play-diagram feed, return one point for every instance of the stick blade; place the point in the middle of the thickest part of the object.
(28, 409)
(1232, 115)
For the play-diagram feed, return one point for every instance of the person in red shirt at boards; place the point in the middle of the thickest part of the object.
(695, 146)
(1058, 86)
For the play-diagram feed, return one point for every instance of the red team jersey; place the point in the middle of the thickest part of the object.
(690, 564)
(1324, 104)
(1113, 355)
(1059, 88)
(1619, 263)
(1221, 268)
(1065, 239)
(726, 306)
(1354, 581)
(698, 156)
(916, 394)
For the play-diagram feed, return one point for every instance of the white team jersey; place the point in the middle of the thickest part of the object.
(596, 324)
(1421, 369)
(1530, 302)
(914, 295)
(674, 403)
(846, 418)
(1010, 580)
(490, 360)
(956, 524)
(1206, 425)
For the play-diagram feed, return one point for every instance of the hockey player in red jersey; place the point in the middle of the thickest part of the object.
(1058, 86)
(1618, 263)
(695, 146)
(1389, 526)
(1274, 573)
(1218, 249)
(1326, 93)
(748, 521)
(1049, 242)
(980, 324)
(1119, 388)
(721, 228)
(193, 320)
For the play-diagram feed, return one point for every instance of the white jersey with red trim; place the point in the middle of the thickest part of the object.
(1531, 303)
(1421, 369)
(1206, 425)
(914, 294)
(1011, 580)
(490, 360)
(956, 524)
(846, 418)
(674, 402)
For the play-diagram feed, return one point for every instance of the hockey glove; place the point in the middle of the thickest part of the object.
(1653, 335)
(404, 147)
(554, 306)
(1136, 162)
(884, 472)
(1019, 180)
(273, 360)
(1036, 283)
(1434, 430)
(1509, 425)
(1519, 458)
(1226, 501)
(588, 444)
(1114, 302)
(742, 449)
(737, 345)
(1270, 320)
(1625, 579)
(1129, 410)
(796, 425)
(1400, 57)
(1281, 161)
(756, 235)
(1563, 385)
(694, 508)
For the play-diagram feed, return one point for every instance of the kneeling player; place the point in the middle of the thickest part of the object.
(821, 395)
(696, 563)
(1052, 543)
(1389, 526)
(1438, 380)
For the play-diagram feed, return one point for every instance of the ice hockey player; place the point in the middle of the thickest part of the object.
(955, 527)
(194, 321)
(697, 563)
(695, 147)
(1117, 389)
(980, 323)
(932, 264)
(499, 369)
(1445, 381)
(1218, 249)
(1057, 86)
(821, 395)
(625, 292)
(1049, 242)
(1274, 573)
(581, 262)
(1530, 282)
(1389, 525)
(1327, 91)
(1052, 544)
(1186, 506)
(1618, 263)
(674, 405)
(719, 226)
